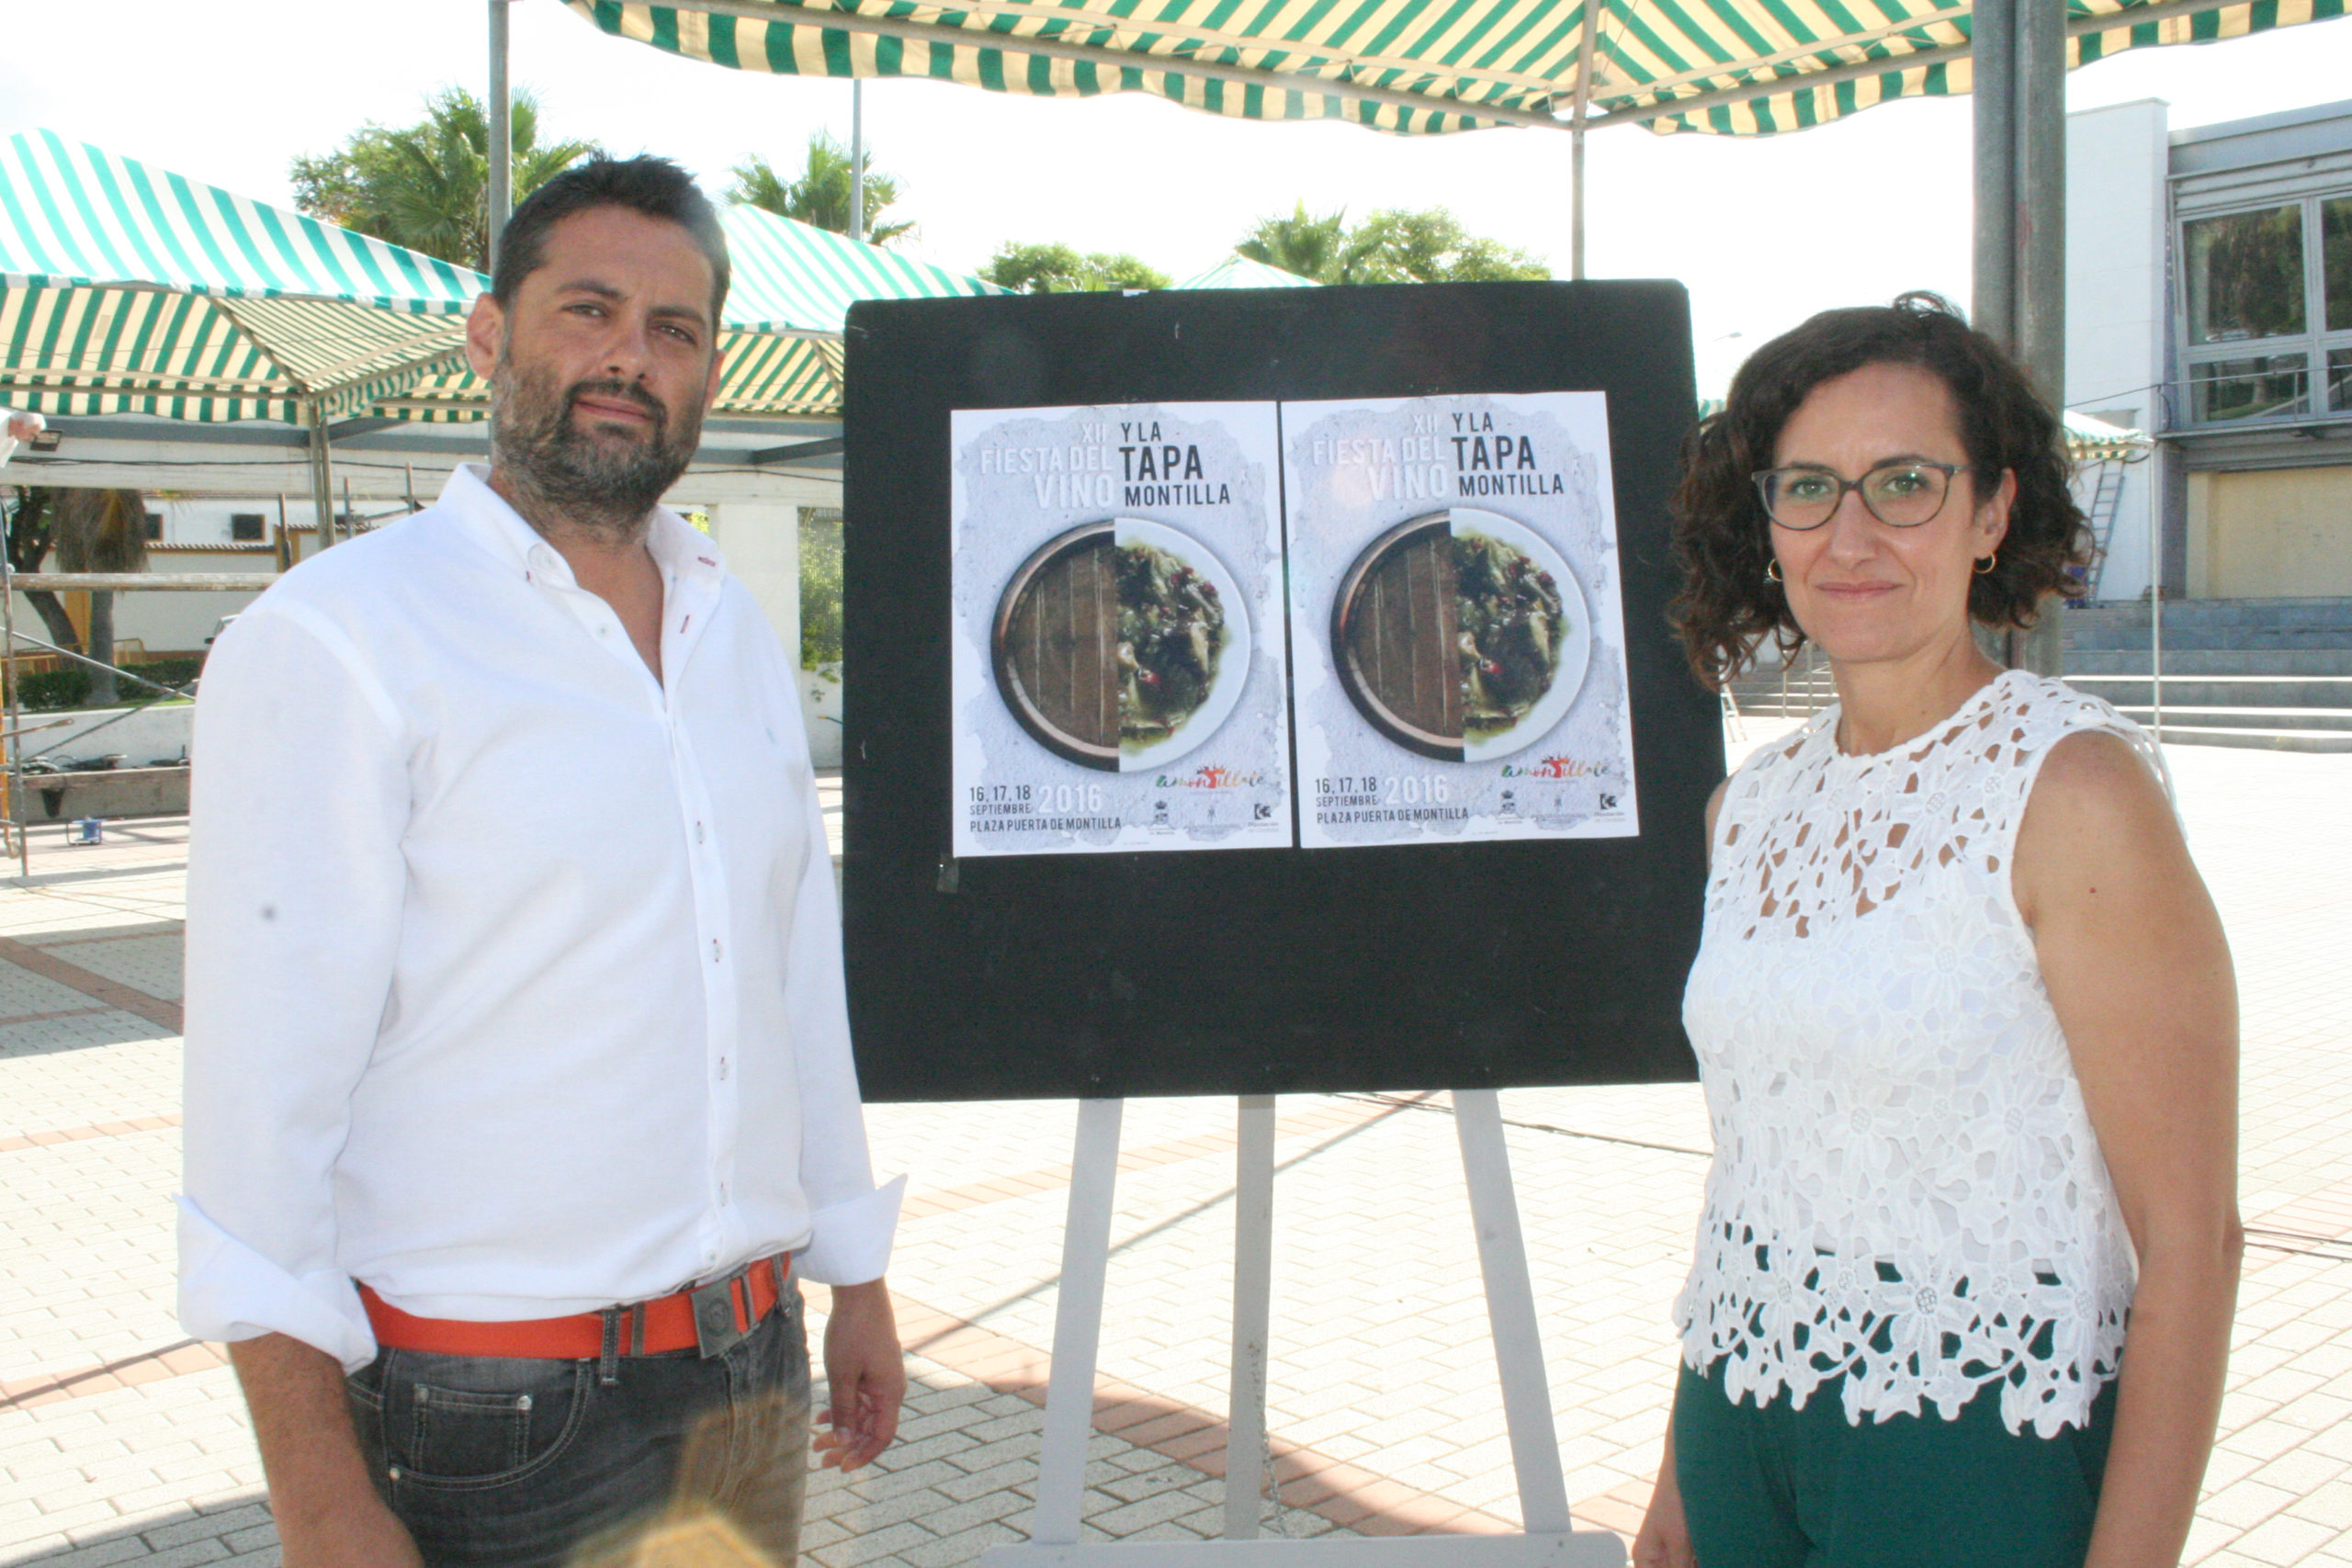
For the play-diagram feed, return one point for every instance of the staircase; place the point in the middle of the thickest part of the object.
(2271, 673)
(1799, 691)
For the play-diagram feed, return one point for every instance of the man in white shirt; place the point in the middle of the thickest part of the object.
(519, 1087)
(15, 427)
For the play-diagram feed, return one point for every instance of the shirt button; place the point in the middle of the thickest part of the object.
(722, 1193)
(698, 833)
(715, 950)
(722, 1069)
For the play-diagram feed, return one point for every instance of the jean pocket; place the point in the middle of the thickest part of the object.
(472, 1430)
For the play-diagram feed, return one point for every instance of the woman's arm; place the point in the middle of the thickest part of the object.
(1665, 1540)
(2137, 968)
(1665, 1537)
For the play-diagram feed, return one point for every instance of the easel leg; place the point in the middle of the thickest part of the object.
(1078, 1324)
(1510, 1308)
(1253, 1277)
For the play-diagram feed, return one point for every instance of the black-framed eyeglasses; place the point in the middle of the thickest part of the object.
(1903, 494)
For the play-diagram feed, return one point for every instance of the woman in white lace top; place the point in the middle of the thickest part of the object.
(1962, 1010)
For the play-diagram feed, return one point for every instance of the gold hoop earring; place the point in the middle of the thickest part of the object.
(1772, 570)
(1988, 563)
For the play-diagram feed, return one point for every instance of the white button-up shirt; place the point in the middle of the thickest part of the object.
(514, 972)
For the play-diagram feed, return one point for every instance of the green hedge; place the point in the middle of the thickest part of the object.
(70, 688)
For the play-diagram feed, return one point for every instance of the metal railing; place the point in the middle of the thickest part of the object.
(16, 825)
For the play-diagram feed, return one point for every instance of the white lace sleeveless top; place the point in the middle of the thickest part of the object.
(1907, 1189)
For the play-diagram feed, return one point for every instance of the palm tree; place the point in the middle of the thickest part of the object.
(1311, 247)
(820, 197)
(32, 529)
(1054, 268)
(101, 530)
(427, 186)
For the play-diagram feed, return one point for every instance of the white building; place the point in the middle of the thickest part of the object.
(2208, 302)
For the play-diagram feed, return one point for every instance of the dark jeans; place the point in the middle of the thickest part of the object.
(536, 1463)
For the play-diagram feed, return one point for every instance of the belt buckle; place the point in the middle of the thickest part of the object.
(714, 1309)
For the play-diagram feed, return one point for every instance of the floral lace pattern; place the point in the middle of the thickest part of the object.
(1907, 1189)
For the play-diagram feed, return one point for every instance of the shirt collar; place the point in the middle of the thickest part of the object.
(684, 552)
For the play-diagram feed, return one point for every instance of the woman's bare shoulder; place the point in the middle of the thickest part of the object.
(2096, 803)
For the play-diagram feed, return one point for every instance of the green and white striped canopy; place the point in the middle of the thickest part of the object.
(795, 277)
(125, 288)
(768, 375)
(1240, 271)
(1730, 67)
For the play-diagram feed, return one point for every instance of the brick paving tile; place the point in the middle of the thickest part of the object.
(1380, 1406)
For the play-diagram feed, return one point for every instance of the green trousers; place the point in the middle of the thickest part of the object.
(1777, 1487)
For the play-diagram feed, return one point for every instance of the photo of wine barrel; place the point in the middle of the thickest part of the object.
(1056, 646)
(1454, 635)
(1120, 644)
(1394, 629)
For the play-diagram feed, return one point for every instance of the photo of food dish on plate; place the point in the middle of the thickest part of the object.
(1461, 635)
(1121, 644)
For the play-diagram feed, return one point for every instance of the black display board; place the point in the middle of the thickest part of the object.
(1258, 971)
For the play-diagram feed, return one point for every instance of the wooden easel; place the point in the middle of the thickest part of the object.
(1053, 1542)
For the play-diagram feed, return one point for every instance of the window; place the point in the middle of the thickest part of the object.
(2245, 276)
(2266, 312)
(2221, 389)
(245, 527)
(154, 528)
(2335, 241)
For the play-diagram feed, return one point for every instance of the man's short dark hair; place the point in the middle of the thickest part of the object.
(654, 187)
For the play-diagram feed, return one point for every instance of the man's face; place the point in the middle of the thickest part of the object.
(601, 372)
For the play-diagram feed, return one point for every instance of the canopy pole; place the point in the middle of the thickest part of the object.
(322, 475)
(1993, 108)
(502, 134)
(2040, 111)
(857, 159)
(2019, 291)
(1575, 140)
(19, 819)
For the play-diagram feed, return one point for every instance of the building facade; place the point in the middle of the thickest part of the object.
(2210, 303)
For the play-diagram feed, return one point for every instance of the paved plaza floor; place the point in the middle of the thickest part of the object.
(123, 1441)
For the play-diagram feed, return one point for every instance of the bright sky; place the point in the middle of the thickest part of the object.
(1764, 232)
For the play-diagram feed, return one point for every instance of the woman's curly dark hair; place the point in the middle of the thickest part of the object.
(1727, 606)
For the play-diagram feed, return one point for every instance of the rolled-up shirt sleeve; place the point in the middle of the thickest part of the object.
(851, 1220)
(298, 803)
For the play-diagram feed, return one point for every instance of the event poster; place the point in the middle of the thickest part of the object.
(1456, 620)
(1120, 678)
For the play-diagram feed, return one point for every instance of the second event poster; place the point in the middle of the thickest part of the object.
(1456, 620)
(1452, 655)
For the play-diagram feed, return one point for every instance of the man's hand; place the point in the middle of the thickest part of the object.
(328, 1513)
(868, 1374)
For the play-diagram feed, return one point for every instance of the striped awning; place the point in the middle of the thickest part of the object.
(125, 288)
(768, 375)
(1730, 67)
(795, 277)
(1240, 271)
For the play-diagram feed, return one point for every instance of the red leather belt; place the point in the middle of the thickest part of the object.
(709, 1318)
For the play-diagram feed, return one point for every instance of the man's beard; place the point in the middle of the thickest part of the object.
(559, 472)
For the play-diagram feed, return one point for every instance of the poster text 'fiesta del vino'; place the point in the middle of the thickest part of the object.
(1119, 680)
(1457, 621)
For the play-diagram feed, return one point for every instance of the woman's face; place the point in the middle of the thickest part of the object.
(1863, 590)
